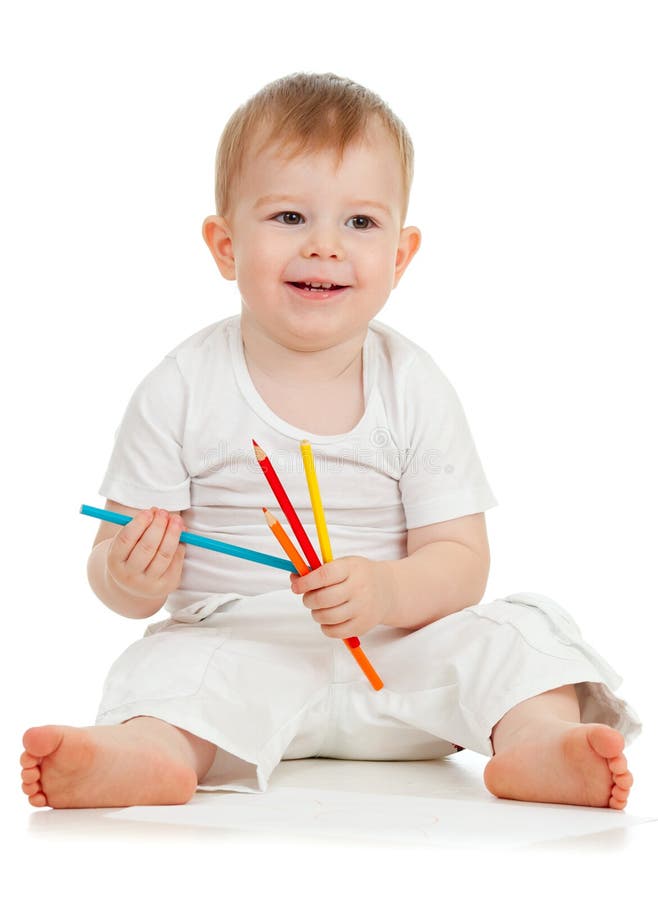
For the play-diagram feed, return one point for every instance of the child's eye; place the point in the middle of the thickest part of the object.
(362, 223)
(289, 218)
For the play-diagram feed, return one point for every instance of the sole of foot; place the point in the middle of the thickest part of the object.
(101, 766)
(578, 764)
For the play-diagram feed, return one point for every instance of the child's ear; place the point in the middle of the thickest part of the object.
(407, 248)
(217, 235)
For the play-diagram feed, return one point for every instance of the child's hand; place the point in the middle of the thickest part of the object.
(145, 557)
(348, 596)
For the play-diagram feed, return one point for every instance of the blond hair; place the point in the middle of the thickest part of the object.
(306, 112)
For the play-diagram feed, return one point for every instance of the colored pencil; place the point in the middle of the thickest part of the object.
(188, 537)
(286, 506)
(316, 501)
(277, 530)
(352, 643)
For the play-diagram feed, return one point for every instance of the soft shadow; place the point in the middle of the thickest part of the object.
(94, 824)
(613, 840)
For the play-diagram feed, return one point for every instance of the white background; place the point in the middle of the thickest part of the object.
(536, 193)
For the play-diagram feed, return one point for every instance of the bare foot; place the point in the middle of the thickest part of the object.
(104, 765)
(562, 762)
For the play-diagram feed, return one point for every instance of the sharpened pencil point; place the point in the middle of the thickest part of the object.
(258, 450)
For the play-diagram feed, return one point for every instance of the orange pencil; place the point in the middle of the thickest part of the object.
(297, 561)
(352, 643)
(290, 549)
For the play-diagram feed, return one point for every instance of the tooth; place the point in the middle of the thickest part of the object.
(316, 284)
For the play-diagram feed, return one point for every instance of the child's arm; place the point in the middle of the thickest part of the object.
(446, 570)
(133, 568)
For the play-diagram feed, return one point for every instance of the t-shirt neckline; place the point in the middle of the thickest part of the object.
(268, 415)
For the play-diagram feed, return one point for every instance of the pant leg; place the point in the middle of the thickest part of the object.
(263, 683)
(241, 678)
(446, 685)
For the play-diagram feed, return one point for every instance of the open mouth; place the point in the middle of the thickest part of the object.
(317, 286)
(317, 290)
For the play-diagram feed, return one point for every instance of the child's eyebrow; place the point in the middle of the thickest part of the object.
(374, 203)
(275, 198)
(285, 198)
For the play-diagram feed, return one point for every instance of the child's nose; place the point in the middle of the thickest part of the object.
(323, 242)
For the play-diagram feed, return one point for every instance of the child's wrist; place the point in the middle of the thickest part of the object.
(114, 595)
(390, 590)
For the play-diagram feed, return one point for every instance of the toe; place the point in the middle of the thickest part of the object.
(618, 798)
(43, 740)
(32, 789)
(606, 741)
(27, 760)
(618, 765)
(29, 776)
(624, 781)
(619, 793)
(38, 800)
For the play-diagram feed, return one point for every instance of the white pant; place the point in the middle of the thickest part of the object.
(259, 679)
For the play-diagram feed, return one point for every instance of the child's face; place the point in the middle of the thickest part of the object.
(340, 225)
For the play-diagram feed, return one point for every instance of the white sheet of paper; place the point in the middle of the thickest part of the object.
(349, 815)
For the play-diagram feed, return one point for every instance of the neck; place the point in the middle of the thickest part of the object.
(292, 366)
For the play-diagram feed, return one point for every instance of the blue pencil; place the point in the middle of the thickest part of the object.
(187, 537)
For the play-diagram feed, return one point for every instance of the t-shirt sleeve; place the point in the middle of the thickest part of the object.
(442, 476)
(146, 467)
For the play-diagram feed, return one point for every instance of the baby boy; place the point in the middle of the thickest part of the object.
(313, 177)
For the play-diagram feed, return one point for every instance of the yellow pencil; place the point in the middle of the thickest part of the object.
(316, 501)
(352, 643)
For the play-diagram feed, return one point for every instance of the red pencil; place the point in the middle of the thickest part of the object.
(353, 643)
(286, 506)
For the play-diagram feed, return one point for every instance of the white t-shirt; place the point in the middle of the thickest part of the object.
(185, 443)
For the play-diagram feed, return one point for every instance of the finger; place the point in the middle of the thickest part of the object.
(342, 631)
(166, 552)
(325, 597)
(330, 573)
(170, 580)
(147, 546)
(336, 615)
(128, 536)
